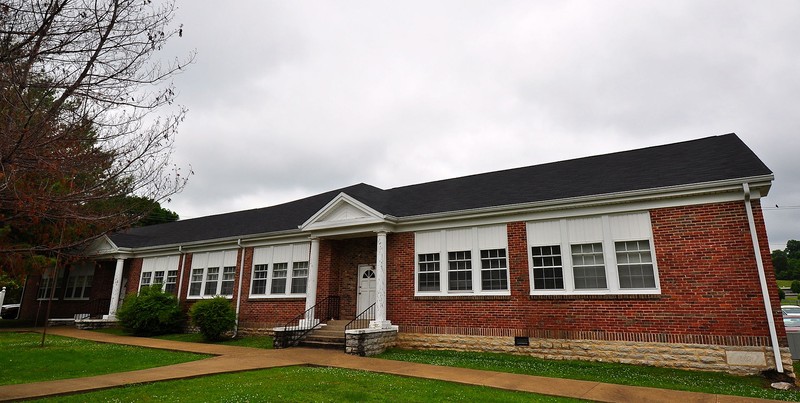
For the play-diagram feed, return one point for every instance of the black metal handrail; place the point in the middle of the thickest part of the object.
(299, 326)
(94, 307)
(362, 320)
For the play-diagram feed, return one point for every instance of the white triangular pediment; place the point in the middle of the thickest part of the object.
(343, 211)
(101, 246)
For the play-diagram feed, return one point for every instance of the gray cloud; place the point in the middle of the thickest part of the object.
(288, 99)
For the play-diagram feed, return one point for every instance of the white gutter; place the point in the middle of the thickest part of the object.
(239, 292)
(762, 277)
(180, 270)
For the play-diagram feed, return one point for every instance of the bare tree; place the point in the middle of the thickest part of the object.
(87, 117)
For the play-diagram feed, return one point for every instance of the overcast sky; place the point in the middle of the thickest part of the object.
(293, 98)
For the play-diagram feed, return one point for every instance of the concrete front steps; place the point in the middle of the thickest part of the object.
(329, 336)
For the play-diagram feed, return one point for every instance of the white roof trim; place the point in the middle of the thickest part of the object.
(344, 211)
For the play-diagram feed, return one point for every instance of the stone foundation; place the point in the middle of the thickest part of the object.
(738, 360)
(367, 342)
(91, 324)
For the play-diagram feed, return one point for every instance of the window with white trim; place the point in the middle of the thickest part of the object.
(280, 271)
(476, 261)
(46, 284)
(79, 281)
(635, 264)
(213, 274)
(609, 254)
(299, 277)
(160, 270)
(547, 269)
(428, 272)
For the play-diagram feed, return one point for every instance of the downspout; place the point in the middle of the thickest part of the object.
(763, 278)
(239, 292)
(180, 271)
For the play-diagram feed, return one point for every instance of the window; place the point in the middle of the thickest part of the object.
(196, 283)
(547, 270)
(280, 271)
(279, 278)
(172, 280)
(476, 262)
(228, 277)
(494, 273)
(609, 254)
(587, 266)
(147, 278)
(213, 273)
(635, 265)
(460, 271)
(79, 281)
(428, 272)
(46, 284)
(161, 270)
(260, 275)
(212, 278)
(299, 277)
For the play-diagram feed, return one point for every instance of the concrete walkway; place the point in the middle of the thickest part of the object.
(235, 359)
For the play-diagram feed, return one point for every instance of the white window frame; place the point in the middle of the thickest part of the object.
(465, 239)
(159, 267)
(293, 256)
(604, 229)
(45, 284)
(225, 262)
(80, 277)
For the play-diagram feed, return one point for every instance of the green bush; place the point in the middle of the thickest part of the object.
(151, 313)
(214, 317)
(796, 286)
(781, 294)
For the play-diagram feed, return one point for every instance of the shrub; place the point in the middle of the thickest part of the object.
(151, 313)
(796, 286)
(781, 294)
(214, 317)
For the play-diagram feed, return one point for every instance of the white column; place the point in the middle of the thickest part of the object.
(311, 283)
(115, 288)
(380, 321)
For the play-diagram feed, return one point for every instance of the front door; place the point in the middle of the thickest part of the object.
(366, 288)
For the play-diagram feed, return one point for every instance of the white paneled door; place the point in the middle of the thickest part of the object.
(367, 286)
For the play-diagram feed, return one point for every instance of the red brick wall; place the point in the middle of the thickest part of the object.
(347, 255)
(708, 276)
(134, 275)
(262, 312)
(99, 296)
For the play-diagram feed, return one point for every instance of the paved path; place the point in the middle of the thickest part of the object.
(235, 359)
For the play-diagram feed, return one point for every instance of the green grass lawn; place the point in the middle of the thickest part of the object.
(306, 384)
(23, 360)
(696, 381)
(247, 341)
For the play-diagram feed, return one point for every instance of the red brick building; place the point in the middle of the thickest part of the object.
(656, 256)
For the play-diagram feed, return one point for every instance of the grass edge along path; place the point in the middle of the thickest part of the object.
(621, 374)
(22, 361)
(306, 383)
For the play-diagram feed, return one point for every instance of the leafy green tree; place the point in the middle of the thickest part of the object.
(82, 122)
(793, 249)
(795, 286)
(781, 264)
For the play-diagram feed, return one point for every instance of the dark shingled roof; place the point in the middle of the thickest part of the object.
(691, 162)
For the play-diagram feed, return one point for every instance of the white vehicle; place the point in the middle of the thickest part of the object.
(790, 310)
